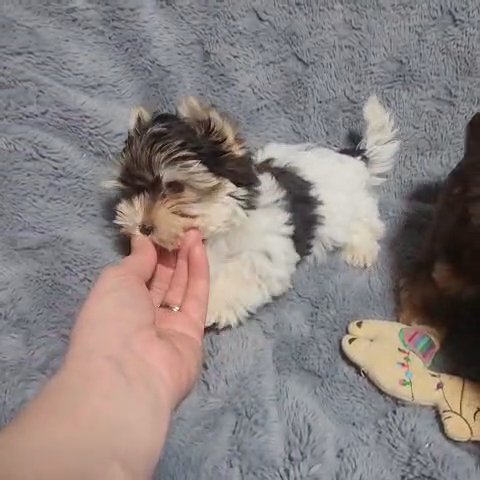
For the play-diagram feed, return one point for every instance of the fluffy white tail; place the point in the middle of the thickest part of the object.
(379, 143)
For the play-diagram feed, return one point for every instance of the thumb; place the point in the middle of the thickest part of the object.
(142, 259)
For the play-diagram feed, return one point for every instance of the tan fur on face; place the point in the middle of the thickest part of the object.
(209, 121)
(209, 209)
(166, 216)
(129, 214)
(168, 227)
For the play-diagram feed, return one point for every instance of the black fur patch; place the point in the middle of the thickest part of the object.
(302, 204)
(353, 152)
(211, 152)
(354, 139)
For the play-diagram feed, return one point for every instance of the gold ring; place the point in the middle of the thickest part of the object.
(172, 308)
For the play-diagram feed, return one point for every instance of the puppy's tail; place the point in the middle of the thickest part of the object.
(379, 143)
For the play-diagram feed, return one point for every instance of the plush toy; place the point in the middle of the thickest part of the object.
(396, 359)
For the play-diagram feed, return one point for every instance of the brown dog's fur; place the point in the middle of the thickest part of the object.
(444, 285)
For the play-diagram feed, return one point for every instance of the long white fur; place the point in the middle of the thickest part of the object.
(379, 140)
(254, 261)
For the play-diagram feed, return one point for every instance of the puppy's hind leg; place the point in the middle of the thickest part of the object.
(380, 145)
(239, 289)
(362, 247)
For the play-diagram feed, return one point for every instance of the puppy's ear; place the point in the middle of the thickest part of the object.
(209, 121)
(139, 118)
(472, 137)
(111, 184)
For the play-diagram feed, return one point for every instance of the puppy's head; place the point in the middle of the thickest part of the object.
(183, 170)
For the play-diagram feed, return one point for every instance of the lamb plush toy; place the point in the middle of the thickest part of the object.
(396, 358)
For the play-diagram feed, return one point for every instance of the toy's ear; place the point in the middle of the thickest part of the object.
(374, 329)
(139, 118)
(213, 123)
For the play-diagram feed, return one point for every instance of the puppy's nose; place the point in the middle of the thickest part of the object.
(145, 229)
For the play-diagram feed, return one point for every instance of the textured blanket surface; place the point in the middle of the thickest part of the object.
(276, 398)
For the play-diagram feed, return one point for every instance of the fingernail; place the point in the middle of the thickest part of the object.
(198, 249)
(138, 239)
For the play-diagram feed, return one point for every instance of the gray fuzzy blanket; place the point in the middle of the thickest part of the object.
(276, 399)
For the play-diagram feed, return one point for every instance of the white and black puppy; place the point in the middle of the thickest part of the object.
(260, 214)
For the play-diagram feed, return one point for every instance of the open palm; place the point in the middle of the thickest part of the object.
(121, 318)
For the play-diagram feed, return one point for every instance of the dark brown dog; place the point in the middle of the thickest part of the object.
(444, 285)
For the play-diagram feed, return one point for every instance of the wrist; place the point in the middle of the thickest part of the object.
(128, 401)
(128, 415)
(125, 370)
(95, 418)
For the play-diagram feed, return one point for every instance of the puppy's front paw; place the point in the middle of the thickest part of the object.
(361, 255)
(222, 317)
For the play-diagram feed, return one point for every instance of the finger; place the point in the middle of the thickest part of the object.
(178, 284)
(195, 302)
(142, 259)
(163, 275)
(191, 319)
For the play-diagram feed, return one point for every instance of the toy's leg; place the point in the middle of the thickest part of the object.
(456, 426)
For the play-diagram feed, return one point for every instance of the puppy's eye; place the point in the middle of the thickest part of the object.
(174, 187)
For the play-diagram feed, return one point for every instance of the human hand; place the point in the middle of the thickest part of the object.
(121, 320)
(106, 412)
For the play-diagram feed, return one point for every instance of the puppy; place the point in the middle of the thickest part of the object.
(444, 285)
(260, 214)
